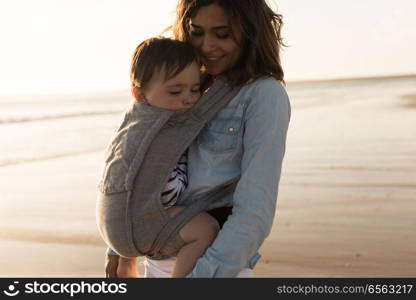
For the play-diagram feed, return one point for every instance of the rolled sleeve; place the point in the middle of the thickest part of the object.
(266, 122)
(110, 251)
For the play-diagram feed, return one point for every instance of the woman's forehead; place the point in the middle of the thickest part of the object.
(211, 16)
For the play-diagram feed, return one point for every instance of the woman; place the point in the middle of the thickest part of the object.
(238, 40)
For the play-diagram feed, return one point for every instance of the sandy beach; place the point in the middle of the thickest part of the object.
(411, 100)
(346, 205)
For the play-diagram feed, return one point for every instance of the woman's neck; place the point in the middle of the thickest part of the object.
(206, 81)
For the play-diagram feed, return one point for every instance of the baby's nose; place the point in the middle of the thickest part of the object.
(190, 100)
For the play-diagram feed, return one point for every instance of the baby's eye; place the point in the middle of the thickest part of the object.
(195, 91)
(174, 93)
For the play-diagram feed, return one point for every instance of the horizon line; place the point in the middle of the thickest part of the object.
(296, 81)
(374, 77)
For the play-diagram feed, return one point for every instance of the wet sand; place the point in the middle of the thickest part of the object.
(410, 100)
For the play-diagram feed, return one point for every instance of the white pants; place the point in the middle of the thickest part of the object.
(163, 268)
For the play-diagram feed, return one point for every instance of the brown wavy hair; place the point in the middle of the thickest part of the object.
(261, 31)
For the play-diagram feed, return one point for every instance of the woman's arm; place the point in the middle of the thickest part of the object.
(254, 200)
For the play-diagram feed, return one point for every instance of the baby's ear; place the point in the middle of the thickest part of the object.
(137, 94)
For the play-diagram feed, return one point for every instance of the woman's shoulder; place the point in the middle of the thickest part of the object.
(265, 89)
(265, 84)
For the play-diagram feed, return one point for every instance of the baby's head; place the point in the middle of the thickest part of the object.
(165, 74)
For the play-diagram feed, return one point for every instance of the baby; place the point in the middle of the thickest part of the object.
(165, 74)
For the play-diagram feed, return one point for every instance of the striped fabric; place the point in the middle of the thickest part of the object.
(177, 183)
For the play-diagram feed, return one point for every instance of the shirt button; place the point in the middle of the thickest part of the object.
(231, 129)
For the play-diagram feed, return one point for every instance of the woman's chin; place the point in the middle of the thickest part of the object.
(214, 72)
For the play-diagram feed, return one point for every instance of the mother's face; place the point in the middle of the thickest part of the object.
(210, 34)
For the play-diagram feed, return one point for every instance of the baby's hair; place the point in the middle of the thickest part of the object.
(159, 54)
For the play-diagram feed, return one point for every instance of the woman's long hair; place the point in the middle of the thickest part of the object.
(261, 31)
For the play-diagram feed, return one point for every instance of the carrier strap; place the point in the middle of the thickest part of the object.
(199, 203)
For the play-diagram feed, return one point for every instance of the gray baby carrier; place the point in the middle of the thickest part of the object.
(139, 160)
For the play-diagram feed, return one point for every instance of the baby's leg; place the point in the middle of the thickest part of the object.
(198, 234)
(127, 267)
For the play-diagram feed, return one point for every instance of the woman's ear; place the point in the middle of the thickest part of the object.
(137, 94)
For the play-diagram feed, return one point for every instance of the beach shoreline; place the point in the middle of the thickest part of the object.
(345, 207)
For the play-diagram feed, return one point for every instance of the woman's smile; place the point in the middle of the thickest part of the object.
(211, 62)
(212, 37)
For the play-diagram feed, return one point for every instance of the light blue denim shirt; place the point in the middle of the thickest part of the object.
(247, 138)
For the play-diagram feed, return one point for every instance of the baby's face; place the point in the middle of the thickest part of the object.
(177, 93)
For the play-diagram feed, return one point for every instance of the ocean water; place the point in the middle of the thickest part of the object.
(41, 127)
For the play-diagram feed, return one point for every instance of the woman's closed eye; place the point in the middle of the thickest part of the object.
(201, 33)
(223, 36)
(196, 33)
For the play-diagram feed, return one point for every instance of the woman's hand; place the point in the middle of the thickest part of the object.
(111, 264)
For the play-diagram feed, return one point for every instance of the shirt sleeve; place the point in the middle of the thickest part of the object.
(254, 201)
(110, 251)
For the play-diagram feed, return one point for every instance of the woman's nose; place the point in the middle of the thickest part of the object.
(208, 44)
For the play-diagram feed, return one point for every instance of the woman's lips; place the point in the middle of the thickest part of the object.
(212, 63)
(213, 59)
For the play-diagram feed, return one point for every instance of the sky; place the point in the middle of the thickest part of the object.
(65, 46)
